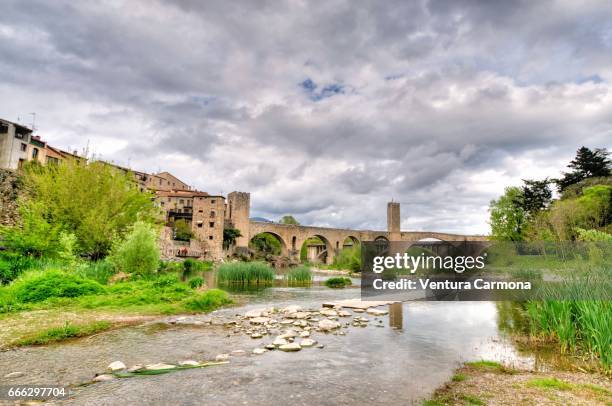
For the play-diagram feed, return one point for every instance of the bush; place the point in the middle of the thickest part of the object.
(138, 253)
(300, 275)
(208, 301)
(165, 281)
(349, 258)
(338, 282)
(196, 283)
(246, 273)
(37, 286)
(189, 267)
(100, 271)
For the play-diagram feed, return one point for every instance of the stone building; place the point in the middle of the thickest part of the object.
(14, 141)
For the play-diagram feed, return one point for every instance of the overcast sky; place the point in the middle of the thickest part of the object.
(324, 110)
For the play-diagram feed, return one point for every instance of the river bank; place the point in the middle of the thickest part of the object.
(489, 382)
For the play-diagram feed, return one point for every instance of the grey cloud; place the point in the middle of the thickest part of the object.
(210, 90)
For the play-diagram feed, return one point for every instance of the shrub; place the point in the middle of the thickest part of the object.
(196, 283)
(189, 267)
(37, 286)
(338, 282)
(100, 271)
(246, 273)
(165, 281)
(349, 258)
(208, 301)
(300, 275)
(138, 253)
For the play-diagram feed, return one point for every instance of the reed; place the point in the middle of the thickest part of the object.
(246, 273)
(299, 275)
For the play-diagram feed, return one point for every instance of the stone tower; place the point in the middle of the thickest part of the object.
(393, 221)
(238, 213)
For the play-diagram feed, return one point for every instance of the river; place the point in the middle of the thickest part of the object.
(416, 350)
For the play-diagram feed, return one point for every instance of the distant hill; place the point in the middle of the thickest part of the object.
(264, 220)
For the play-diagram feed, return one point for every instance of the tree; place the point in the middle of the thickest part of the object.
(229, 236)
(536, 196)
(182, 230)
(289, 220)
(507, 216)
(586, 164)
(138, 253)
(96, 202)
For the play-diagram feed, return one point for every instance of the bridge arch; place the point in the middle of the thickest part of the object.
(317, 248)
(260, 242)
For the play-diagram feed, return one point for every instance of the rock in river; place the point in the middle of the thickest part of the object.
(259, 351)
(103, 378)
(290, 347)
(328, 325)
(255, 313)
(259, 320)
(116, 366)
(14, 375)
(189, 363)
(307, 342)
(222, 357)
(279, 341)
(376, 312)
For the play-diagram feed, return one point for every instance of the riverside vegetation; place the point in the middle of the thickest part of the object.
(86, 242)
(583, 212)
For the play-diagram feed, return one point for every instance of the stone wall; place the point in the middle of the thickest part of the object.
(10, 187)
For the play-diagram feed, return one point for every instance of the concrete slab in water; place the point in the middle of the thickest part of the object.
(359, 304)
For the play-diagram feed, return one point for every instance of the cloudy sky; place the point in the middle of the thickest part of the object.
(326, 109)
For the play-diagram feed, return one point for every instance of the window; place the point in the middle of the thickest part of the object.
(199, 225)
(200, 211)
(160, 182)
(212, 201)
(181, 201)
(35, 153)
(24, 147)
(211, 224)
(210, 237)
(212, 214)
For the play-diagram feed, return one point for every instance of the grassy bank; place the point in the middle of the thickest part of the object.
(51, 304)
(246, 273)
(489, 382)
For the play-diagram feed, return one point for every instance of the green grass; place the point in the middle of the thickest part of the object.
(459, 377)
(337, 282)
(472, 400)
(196, 283)
(490, 366)
(549, 383)
(207, 301)
(583, 325)
(246, 273)
(299, 275)
(63, 333)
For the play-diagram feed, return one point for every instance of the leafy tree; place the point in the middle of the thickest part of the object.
(507, 216)
(266, 243)
(289, 220)
(536, 196)
(182, 230)
(229, 236)
(96, 202)
(586, 164)
(138, 253)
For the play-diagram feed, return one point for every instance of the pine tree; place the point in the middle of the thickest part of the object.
(586, 164)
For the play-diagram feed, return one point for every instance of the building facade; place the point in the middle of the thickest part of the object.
(14, 144)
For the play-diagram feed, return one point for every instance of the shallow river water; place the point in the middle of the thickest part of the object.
(416, 351)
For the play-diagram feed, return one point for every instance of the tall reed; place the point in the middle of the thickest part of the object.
(246, 273)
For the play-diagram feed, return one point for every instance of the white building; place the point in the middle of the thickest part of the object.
(14, 141)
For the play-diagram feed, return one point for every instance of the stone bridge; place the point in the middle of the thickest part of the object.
(292, 237)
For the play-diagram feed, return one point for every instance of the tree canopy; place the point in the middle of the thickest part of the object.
(95, 202)
(289, 220)
(587, 164)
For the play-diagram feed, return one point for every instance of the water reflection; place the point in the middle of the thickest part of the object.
(396, 316)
